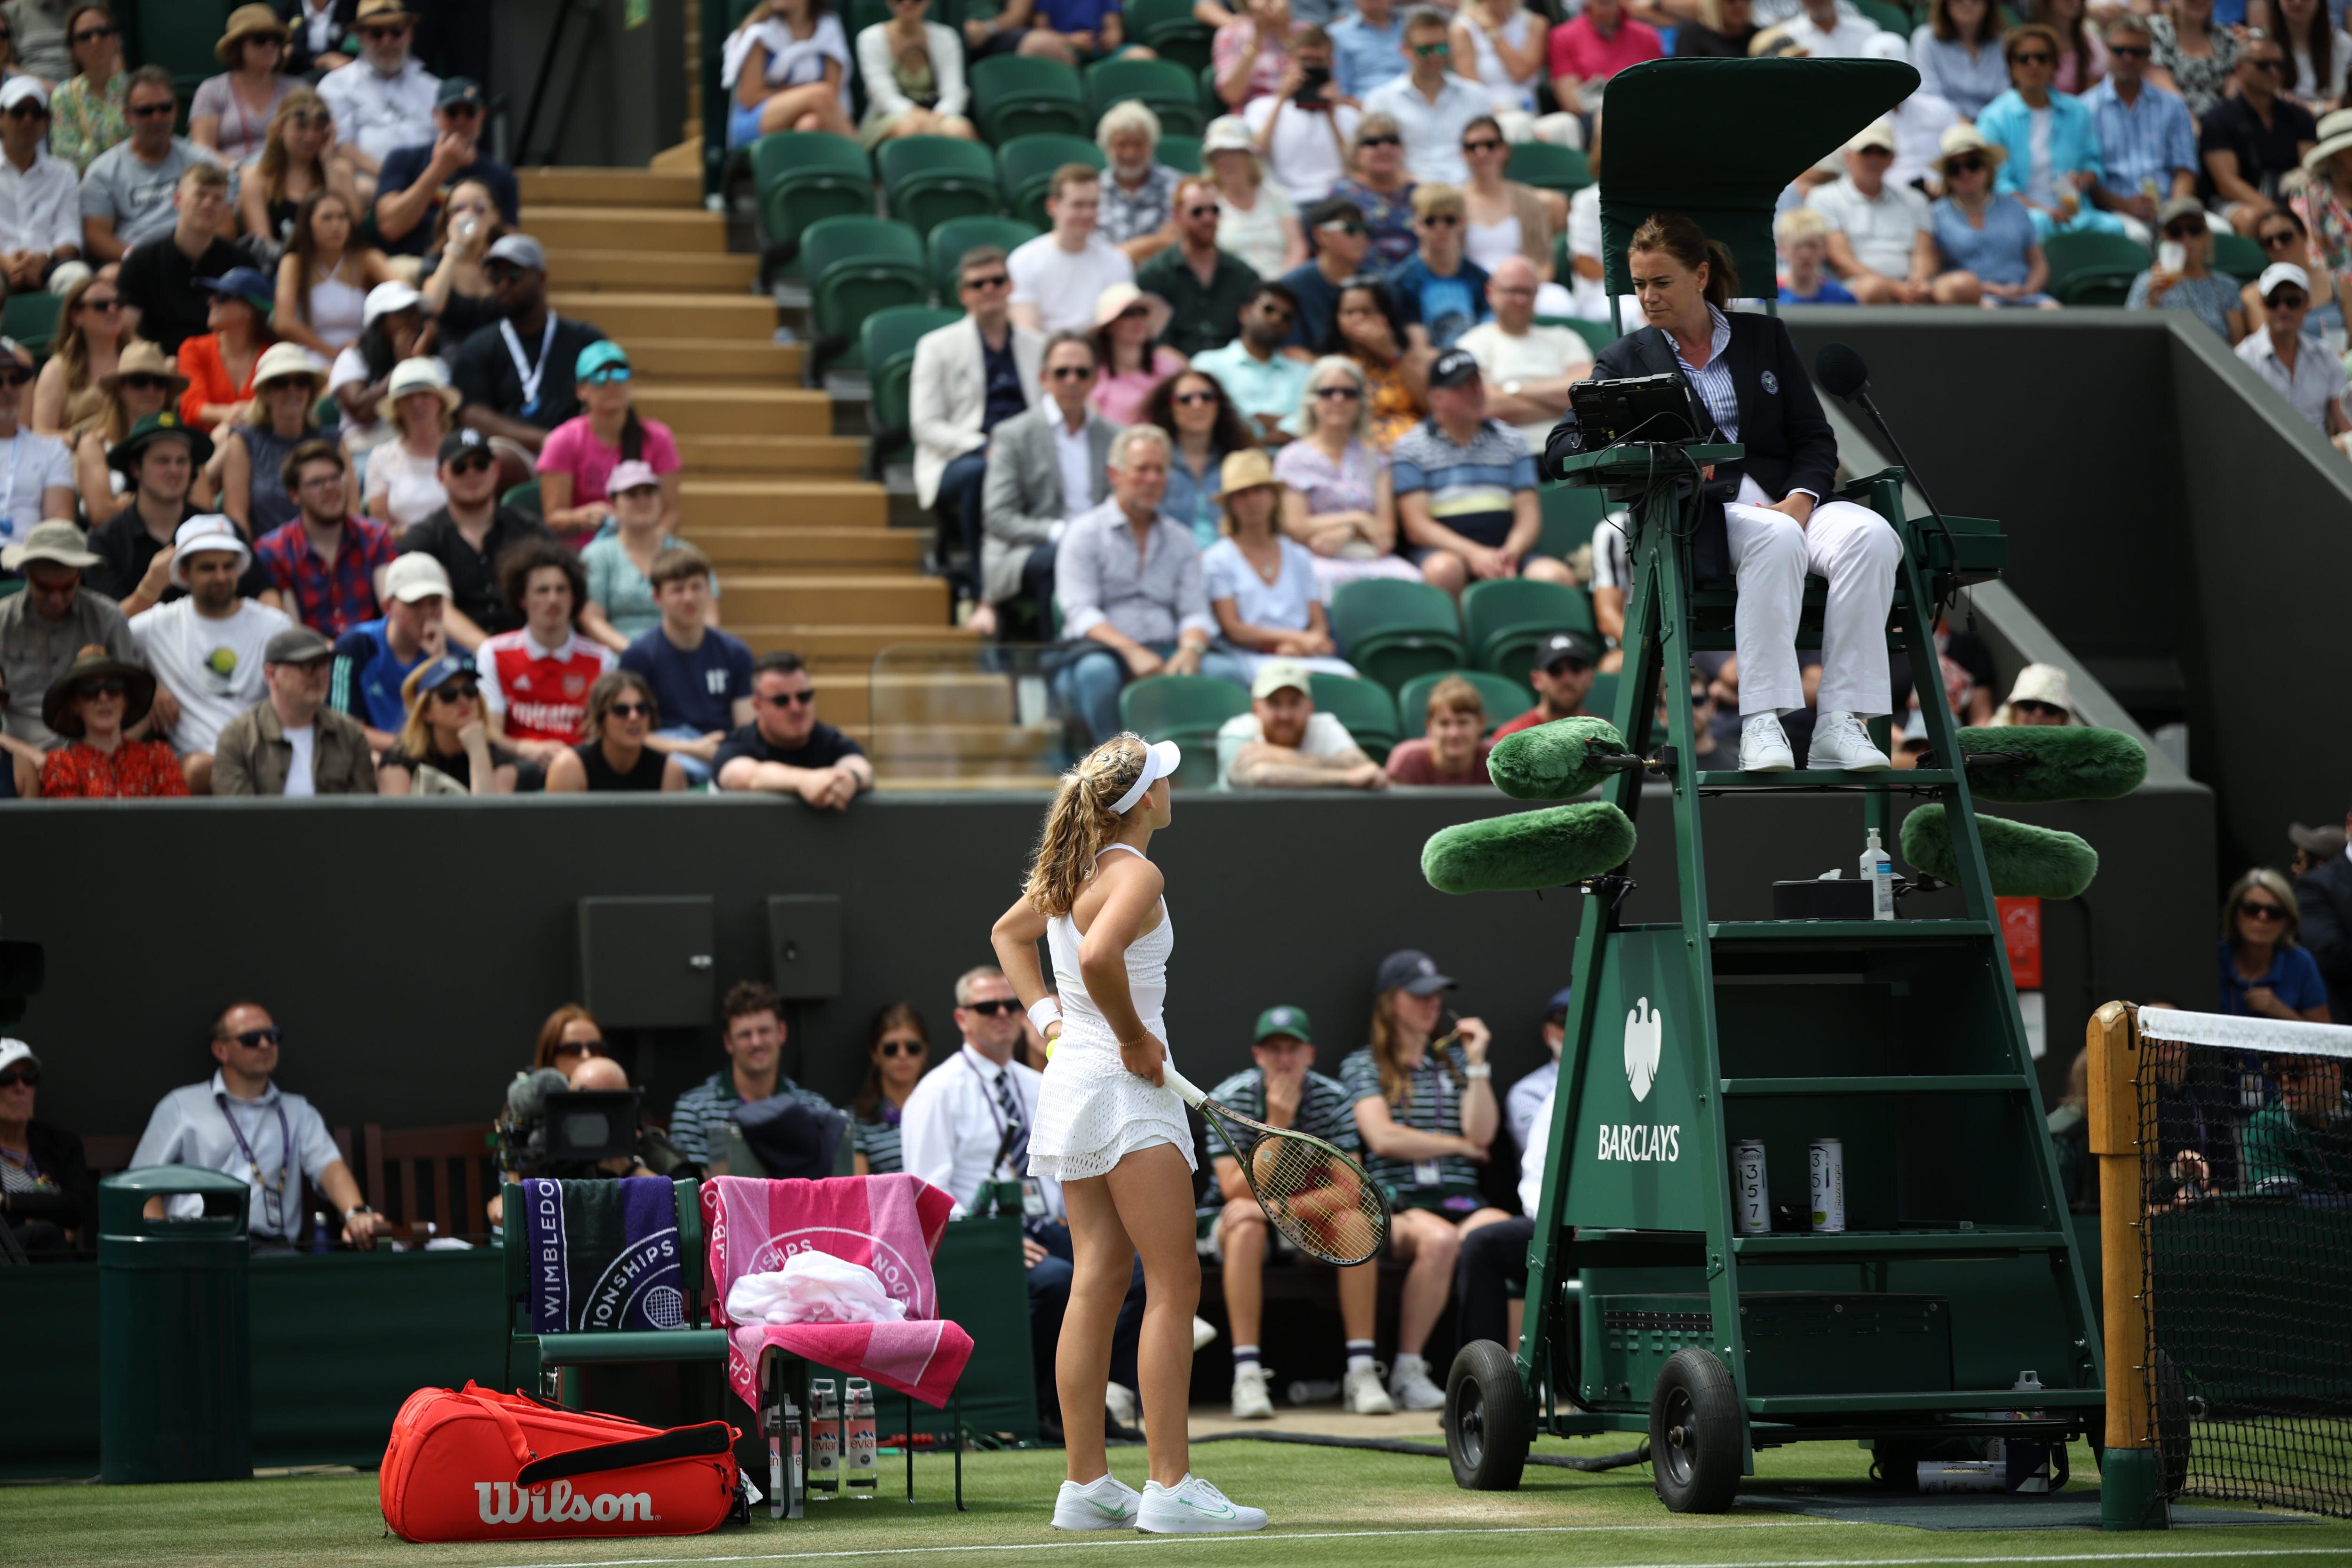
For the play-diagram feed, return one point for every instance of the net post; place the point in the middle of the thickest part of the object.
(2131, 1478)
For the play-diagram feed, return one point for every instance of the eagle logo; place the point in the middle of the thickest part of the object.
(1645, 1043)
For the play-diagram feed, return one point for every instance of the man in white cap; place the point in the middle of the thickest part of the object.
(40, 196)
(517, 373)
(1881, 239)
(206, 647)
(50, 620)
(348, 381)
(374, 657)
(2039, 697)
(1282, 742)
(2297, 364)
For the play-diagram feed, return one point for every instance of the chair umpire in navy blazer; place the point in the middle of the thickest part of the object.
(1685, 281)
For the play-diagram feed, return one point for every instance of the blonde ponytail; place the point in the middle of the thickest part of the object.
(1080, 821)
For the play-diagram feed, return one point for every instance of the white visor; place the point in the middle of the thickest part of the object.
(1159, 759)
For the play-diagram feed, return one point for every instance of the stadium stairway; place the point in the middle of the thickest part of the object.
(805, 547)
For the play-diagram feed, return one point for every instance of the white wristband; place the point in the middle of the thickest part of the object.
(1047, 1010)
(1476, 1070)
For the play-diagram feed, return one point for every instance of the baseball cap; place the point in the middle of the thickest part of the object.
(18, 88)
(1561, 645)
(386, 297)
(1276, 674)
(2324, 842)
(1455, 367)
(1410, 968)
(2280, 273)
(2176, 207)
(296, 644)
(1283, 1020)
(1558, 1005)
(457, 443)
(596, 356)
(13, 1051)
(519, 251)
(414, 576)
(1877, 133)
(207, 532)
(628, 475)
(458, 91)
(444, 670)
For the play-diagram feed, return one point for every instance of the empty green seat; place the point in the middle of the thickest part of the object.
(2239, 256)
(928, 180)
(1503, 620)
(806, 176)
(179, 36)
(887, 342)
(1504, 699)
(1181, 154)
(1167, 89)
(1020, 95)
(1365, 707)
(2092, 268)
(1393, 630)
(1024, 170)
(1894, 19)
(1597, 335)
(1186, 710)
(958, 234)
(855, 267)
(1571, 514)
(32, 321)
(1171, 31)
(1548, 166)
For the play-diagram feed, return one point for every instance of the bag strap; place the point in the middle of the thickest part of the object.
(510, 1428)
(678, 1443)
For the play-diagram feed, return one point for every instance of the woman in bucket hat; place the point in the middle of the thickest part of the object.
(141, 385)
(403, 475)
(92, 704)
(1261, 584)
(232, 111)
(1984, 238)
(287, 385)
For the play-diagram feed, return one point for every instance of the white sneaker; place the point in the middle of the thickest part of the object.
(1840, 743)
(1251, 1401)
(1107, 1504)
(1125, 1408)
(1361, 1394)
(1193, 1507)
(1410, 1388)
(1205, 1333)
(1764, 745)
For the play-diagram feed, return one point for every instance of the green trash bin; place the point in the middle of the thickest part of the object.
(175, 1358)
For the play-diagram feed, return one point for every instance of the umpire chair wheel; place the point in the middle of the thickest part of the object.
(1488, 1422)
(1695, 1434)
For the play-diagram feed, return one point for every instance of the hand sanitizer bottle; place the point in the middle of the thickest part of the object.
(1878, 870)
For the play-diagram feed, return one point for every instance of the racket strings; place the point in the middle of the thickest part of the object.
(1321, 1200)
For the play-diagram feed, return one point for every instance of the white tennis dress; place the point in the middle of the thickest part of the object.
(1091, 1111)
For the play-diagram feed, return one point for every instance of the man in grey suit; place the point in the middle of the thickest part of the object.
(970, 377)
(1045, 467)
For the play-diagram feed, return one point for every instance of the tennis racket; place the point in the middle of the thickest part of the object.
(1313, 1192)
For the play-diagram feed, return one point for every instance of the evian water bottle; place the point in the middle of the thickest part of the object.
(858, 1439)
(825, 1441)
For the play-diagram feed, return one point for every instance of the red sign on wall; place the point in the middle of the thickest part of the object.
(2020, 933)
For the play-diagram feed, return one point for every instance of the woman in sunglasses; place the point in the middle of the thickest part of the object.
(91, 705)
(1984, 239)
(86, 113)
(444, 748)
(89, 346)
(569, 1037)
(1376, 183)
(898, 1049)
(613, 754)
(2265, 971)
(580, 453)
(1367, 328)
(1503, 217)
(231, 112)
(2193, 57)
(1336, 498)
(47, 1196)
(1128, 324)
(2049, 137)
(1206, 428)
(2183, 277)
(293, 164)
(142, 382)
(2283, 237)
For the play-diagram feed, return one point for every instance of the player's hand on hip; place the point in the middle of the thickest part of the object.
(1143, 1055)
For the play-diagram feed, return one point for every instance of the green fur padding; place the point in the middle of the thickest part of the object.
(1532, 850)
(2023, 861)
(1549, 762)
(2062, 763)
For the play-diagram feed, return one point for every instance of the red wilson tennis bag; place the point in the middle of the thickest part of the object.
(470, 1465)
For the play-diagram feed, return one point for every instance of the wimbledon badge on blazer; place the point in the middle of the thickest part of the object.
(1772, 382)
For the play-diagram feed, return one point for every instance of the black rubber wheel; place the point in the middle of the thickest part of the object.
(1695, 1434)
(1894, 1463)
(1488, 1422)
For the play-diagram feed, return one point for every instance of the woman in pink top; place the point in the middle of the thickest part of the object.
(1598, 42)
(580, 453)
(1128, 322)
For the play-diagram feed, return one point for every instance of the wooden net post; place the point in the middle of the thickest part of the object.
(2131, 1480)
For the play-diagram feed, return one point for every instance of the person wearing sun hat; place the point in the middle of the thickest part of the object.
(382, 100)
(158, 460)
(1128, 324)
(92, 704)
(287, 383)
(231, 113)
(576, 465)
(1260, 581)
(403, 475)
(2295, 363)
(1984, 238)
(44, 625)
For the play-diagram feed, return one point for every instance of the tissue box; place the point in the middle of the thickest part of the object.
(1842, 898)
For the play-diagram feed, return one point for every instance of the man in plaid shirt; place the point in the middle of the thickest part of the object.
(329, 565)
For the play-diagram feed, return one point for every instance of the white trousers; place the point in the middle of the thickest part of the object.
(1851, 546)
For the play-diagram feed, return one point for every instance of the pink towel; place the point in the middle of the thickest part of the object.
(889, 1223)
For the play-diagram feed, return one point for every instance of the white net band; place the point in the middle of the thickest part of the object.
(2229, 1032)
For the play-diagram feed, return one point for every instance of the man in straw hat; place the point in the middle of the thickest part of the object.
(382, 100)
(94, 706)
(159, 458)
(43, 627)
(206, 646)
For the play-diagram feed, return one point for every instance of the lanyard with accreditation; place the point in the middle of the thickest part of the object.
(274, 1200)
(1032, 1196)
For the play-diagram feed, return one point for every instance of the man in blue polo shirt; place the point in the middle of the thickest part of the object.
(702, 677)
(414, 180)
(374, 656)
(1465, 487)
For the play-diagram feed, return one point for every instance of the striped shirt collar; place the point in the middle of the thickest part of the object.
(1713, 384)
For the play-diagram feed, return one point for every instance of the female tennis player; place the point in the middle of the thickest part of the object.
(1111, 1132)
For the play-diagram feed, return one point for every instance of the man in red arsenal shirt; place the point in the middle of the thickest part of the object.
(535, 681)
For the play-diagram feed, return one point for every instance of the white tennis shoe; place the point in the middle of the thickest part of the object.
(1251, 1401)
(1409, 1385)
(1764, 745)
(1193, 1507)
(1840, 743)
(1205, 1333)
(1109, 1503)
(1361, 1393)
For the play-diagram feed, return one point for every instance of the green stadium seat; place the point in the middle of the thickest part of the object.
(2239, 256)
(855, 267)
(523, 498)
(1393, 630)
(958, 234)
(865, 14)
(804, 177)
(1597, 335)
(927, 180)
(1019, 95)
(32, 321)
(1181, 154)
(1503, 620)
(1601, 700)
(179, 36)
(1164, 87)
(2092, 268)
(1894, 19)
(1168, 25)
(1548, 166)
(1186, 710)
(1025, 170)
(1365, 707)
(1504, 698)
(886, 343)
(1571, 514)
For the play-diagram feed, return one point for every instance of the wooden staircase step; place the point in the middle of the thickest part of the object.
(629, 315)
(715, 359)
(737, 410)
(748, 456)
(567, 187)
(783, 506)
(836, 598)
(692, 230)
(651, 269)
(735, 550)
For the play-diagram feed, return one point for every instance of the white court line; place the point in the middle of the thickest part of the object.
(2206, 1555)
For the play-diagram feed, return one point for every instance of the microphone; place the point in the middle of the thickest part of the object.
(1843, 374)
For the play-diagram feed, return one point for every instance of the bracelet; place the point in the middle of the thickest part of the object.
(356, 1208)
(1477, 1071)
(1043, 1011)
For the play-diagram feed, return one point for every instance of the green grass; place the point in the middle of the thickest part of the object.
(1335, 1507)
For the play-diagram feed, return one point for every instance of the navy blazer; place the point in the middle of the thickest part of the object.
(1789, 445)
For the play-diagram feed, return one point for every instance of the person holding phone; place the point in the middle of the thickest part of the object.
(2183, 277)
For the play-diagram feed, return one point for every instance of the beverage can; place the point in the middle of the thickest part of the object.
(1827, 1160)
(1750, 1190)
